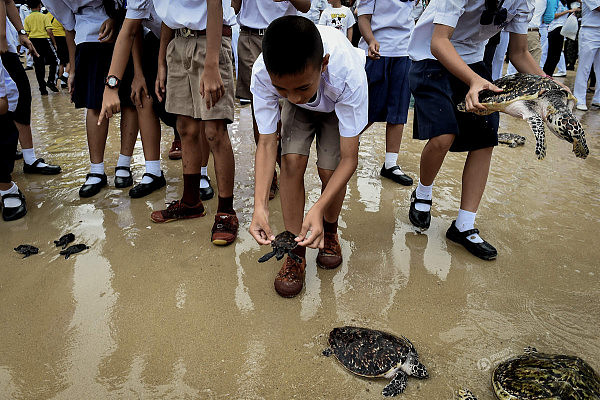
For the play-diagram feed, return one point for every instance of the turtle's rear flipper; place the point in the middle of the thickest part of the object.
(536, 123)
(465, 394)
(396, 386)
(266, 257)
(295, 257)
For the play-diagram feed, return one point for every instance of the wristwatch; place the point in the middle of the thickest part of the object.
(112, 82)
(22, 32)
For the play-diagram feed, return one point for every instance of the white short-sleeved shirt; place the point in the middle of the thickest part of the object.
(343, 87)
(340, 18)
(469, 37)
(560, 21)
(24, 11)
(85, 17)
(391, 23)
(8, 88)
(190, 14)
(258, 14)
(539, 8)
(316, 7)
(12, 37)
(589, 17)
(144, 10)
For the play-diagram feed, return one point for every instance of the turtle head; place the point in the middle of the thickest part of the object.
(418, 370)
(565, 126)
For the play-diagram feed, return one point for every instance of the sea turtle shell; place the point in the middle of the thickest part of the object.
(283, 244)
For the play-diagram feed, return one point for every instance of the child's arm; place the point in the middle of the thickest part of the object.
(52, 38)
(3, 97)
(70, 39)
(15, 18)
(349, 33)
(166, 34)
(518, 53)
(138, 85)
(364, 24)
(3, 41)
(211, 84)
(301, 5)
(236, 5)
(444, 51)
(264, 168)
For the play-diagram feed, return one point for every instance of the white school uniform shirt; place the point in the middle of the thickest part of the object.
(590, 18)
(560, 21)
(12, 37)
(190, 14)
(24, 11)
(343, 87)
(316, 7)
(85, 17)
(538, 11)
(258, 14)
(469, 37)
(144, 10)
(340, 18)
(8, 88)
(391, 23)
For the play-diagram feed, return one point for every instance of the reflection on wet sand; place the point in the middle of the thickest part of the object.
(156, 311)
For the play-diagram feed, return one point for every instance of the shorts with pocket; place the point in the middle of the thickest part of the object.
(249, 48)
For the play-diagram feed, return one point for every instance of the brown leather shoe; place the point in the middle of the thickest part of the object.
(225, 229)
(290, 278)
(175, 152)
(330, 256)
(178, 210)
(274, 187)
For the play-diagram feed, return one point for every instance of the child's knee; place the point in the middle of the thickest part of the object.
(215, 133)
(293, 165)
(441, 144)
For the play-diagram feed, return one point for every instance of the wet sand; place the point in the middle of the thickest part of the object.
(157, 311)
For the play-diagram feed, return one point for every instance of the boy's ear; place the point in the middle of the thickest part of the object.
(325, 63)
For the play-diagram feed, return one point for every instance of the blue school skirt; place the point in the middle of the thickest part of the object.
(389, 94)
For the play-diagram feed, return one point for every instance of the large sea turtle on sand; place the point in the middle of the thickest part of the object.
(536, 99)
(539, 376)
(376, 354)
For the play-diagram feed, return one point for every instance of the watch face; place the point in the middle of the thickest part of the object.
(112, 81)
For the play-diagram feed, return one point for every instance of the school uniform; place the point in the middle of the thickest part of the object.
(339, 109)
(436, 91)
(589, 51)
(254, 18)
(186, 55)
(62, 52)
(9, 134)
(24, 11)
(555, 39)
(316, 8)
(392, 24)
(36, 24)
(340, 18)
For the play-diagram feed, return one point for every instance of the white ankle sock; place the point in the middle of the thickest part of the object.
(466, 221)
(203, 182)
(152, 167)
(424, 193)
(391, 160)
(11, 202)
(124, 161)
(95, 169)
(29, 157)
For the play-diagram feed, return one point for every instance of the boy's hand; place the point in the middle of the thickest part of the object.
(374, 50)
(139, 89)
(259, 227)
(71, 82)
(161, 78)
(313, 222)
(111, 104)
(476, 86)
(3, 45)
(211, 85)
(107, 32)
(24, 41)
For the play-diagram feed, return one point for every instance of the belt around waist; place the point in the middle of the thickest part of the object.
(533, 29)
(259, 32)
(187, 32)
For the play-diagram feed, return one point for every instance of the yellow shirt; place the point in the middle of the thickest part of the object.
(36, 24)
(57, 28)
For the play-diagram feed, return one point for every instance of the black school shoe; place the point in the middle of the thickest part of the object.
(18, 155)
(36, 169)
(52, 86)
(94, 188)
(420, 219)
(14, 213)
(484, 250)
(401, 179)
(208, 192)
(144, 189)
(123, 181)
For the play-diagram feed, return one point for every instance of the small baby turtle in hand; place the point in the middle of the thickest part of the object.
(376, 354)
(65, 240)
(76, 248)
(283, 244)
(26, 250)
(511, 139)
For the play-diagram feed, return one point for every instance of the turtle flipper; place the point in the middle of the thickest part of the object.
(530, 350)
(295, 257)
(327, 352)
(536, 123)
(264, 258)
(465, 394)
(396, 386)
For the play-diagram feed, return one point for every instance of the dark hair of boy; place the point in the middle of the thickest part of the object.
(291, 43)
(33, 3)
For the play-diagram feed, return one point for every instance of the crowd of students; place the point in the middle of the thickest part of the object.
(305, 80)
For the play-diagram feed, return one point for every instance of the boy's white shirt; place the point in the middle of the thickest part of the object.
(191, 14)
(391, 23)
(469, 37)
(8, 88)
(144, 10)
(340, 18)
(12, 37)
(316, 7)
(85, 17)
(589, 17)
(343, 87)
(258, 14)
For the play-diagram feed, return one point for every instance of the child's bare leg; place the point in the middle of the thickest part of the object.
(189, 130)
(393, 137)
(432, 157)
(205, 152)
(474, 178)
(129, 130)
(96, 135)
(220, 146)
(332, 212)
(291, 192)
(149, 129)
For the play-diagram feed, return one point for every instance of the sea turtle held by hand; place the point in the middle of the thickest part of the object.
(376, 354)
(539, 376)
(511, 139)
(65, 240)
(283, 244)
(26, 250)
(76, 248)
(536, 99)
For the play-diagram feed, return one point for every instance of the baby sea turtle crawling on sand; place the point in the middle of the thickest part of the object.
(536, 99)
(76, 248)
(511, 139)
(539, 376)
(65, 240)
(26, 250)
(283, 244)
(376, 354)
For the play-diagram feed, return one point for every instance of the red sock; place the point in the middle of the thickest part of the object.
(191, 189)
(226, 205)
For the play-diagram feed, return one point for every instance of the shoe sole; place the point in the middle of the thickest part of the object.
(486, 258)
(327, 268)
(178, 219)
(42, 172)
(149, 193)
(222, 242)
(399, 183)
(174, 158)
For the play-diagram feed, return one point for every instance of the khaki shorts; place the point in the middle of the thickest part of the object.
(185, 63)
(298, 128)
(249, 48)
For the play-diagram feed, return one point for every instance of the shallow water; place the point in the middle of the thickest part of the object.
(157, 311)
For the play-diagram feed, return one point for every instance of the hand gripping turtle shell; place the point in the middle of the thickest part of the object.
(26, 250)
(283, 244)
(539, 376)
(536, 99)
(376, 354)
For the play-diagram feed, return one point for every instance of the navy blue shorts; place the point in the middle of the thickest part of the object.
(389, 92)
(437, 92)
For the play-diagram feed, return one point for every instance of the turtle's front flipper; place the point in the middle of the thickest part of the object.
(536, 123)
(396, 386)
(295, 257)
(465, 394)
(266, 257)
(327, 352)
